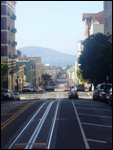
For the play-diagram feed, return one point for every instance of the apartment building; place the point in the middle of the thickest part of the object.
(51, 70)
(29, 70)
(39, 69)
(8, 42)
(8, 29)
(94, 23)
(20, 78)
(107, 17)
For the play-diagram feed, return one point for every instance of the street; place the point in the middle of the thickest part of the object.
(50, 120)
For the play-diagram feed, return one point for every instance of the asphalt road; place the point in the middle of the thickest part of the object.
(51, 121)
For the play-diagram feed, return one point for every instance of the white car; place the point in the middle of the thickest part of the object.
(15, 96)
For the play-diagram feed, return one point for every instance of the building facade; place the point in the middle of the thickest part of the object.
(39, 69)
(94, 23)
(53, 71)
(8, 29)
(20, 78)
(29, 70)
(108, 17)
(8, 42)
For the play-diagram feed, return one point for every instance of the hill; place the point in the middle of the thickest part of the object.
(49, 56)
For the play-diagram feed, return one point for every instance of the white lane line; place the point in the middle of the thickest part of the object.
(93, 109)
(81, 128)
(98, 141)
(95, 115)
(99, 125)
(37, 130)
(27, 125)
(53, 125)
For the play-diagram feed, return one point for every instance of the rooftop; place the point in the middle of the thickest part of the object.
(98, 16)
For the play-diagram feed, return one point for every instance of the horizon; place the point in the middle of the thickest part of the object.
(46, 48)
(53, 24)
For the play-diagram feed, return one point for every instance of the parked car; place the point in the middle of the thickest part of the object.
(72, 95)
(5, 94)
(100, 91)
(49, 87)
(40, 89)
(27, 89)
(109, 97)
(15, 96)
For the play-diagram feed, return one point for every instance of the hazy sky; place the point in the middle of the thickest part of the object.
(52, 24)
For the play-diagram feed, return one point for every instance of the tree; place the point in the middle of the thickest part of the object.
(79, 74)
(96, 58)
(4, 69)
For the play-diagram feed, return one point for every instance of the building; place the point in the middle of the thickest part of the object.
(97, 23)
(71, 75)
(8, 29)
(39, 69)
(20, 78)
(8, 42)
(29, 70)
(94, 23)
(107, 17)
(53, 71)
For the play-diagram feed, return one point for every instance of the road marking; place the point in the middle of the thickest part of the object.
(95, 115)
(81, 128)
(38, 128)
(98, 141)
(53, 125)
(13, 117)
(27, 125)
(39, 145)
(92, 124)
(20, 145)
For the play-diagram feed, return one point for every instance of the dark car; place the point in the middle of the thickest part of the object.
(27, 89)
(109, 97)
(15, 96)
(5, 94)
(73, 95)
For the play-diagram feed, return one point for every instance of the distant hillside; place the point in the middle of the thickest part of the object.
(49, 56)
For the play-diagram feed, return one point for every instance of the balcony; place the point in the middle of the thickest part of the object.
(9, 42)
(14, 43)
(13, 17)
(13, 70)
(14, 30)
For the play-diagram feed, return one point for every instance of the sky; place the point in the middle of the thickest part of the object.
(52, 24)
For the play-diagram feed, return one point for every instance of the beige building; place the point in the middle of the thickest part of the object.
(15, 80)
(93, 23)
(97, 23)
(51, 70)
(107, 17)
(71, 75)
(20, 78)
(33, 69)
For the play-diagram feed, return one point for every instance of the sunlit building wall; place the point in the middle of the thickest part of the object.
(108, 17)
